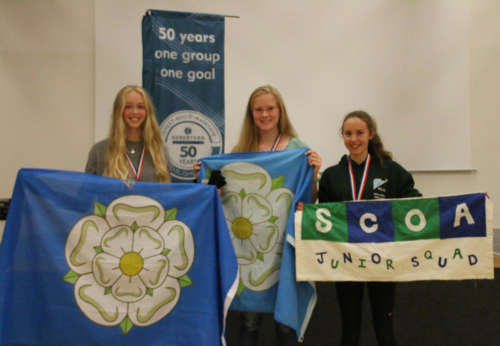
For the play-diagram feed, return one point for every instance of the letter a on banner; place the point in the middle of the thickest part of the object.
(183, 70)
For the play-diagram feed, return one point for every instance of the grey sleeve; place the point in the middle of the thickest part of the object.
(91, 166)
(95, 161)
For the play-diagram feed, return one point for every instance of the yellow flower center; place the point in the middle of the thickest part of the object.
(131, 263)
(242, 228)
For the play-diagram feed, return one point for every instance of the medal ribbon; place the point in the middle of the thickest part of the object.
(363, 180)
(276, 143)
(137, 173)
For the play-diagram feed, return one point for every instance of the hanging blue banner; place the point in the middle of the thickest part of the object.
(89, 260)
(183, 70)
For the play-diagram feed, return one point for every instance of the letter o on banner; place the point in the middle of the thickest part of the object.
(418, 227)
(362, 222)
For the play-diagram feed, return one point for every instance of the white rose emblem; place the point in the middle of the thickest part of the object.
(256, 208)
(129, 262)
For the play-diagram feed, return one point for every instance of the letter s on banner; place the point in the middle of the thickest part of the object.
(323, 225)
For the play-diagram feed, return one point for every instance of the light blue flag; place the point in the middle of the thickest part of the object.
(259, 202)
(88, 260)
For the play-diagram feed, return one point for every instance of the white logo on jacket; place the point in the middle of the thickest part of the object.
(378, 189)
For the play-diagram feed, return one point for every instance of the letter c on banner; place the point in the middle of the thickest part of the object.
(323, 225)
(422, 222)
(362, 222)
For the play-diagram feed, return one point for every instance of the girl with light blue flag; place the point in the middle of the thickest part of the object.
(266, 128)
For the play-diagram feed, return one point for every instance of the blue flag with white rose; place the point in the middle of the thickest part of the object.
(89, 260)
(259, 201)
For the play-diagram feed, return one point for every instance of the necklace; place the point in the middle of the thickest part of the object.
(276, 143)
(136, 172)
(133, 148)
(356, 197)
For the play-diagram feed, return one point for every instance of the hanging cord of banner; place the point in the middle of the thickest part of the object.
(148, 13)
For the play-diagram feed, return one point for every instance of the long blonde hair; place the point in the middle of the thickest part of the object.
(249, 135)
(116, 162)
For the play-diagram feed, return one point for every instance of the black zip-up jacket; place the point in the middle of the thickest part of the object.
(387, 180)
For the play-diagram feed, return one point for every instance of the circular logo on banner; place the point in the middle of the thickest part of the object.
(189, 135)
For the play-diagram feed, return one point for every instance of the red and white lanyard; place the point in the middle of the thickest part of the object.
(363, 180)
(276, 143)
(137, 173)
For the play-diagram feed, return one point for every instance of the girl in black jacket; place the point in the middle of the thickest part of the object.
(368, 172)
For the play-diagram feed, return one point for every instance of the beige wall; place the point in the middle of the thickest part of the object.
(484, 41)
(47, 76)
(46, 85)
